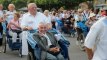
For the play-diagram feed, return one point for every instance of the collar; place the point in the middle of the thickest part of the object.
(32, 15)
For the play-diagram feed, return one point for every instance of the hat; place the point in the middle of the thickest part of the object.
(91, 15)
(104, 8)
(80, 10)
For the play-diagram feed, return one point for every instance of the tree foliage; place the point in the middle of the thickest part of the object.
(43, 3)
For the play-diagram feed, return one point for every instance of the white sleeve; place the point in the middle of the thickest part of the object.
(93, 35)
(46, 20)
(23, 22)
(75, 24)
(49, 20)
(76, 18)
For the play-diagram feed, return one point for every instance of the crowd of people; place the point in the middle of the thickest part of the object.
(69, 22)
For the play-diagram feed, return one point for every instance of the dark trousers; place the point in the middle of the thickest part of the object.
(64, 49)
(1, 39)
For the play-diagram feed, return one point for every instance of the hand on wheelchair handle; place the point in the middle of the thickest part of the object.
(29, 28)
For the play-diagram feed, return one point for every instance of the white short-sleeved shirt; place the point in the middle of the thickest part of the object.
(97, 36)
(10, 15)
(29, 20)
(48, 19)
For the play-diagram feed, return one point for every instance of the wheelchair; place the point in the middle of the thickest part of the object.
(34, 46)
(80, 38)
(13, 45)
(82, 31)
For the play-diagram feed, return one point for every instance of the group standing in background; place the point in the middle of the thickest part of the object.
(66, 21)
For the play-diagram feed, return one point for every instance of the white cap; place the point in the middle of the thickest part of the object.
(105, 8)
(92, 15)
(80, 10)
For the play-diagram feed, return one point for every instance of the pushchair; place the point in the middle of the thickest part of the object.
(13, 45)
(35, 55)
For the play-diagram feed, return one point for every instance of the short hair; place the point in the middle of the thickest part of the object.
(46, 11)
(11, 5)
(41, 23)
(30, 4)
(17, 14)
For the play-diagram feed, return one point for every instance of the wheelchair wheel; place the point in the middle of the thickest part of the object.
(4, 43)
(30, 56)
(81, 41)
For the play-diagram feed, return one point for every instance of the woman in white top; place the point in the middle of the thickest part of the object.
(10, 14)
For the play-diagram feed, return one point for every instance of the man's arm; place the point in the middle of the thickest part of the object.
(92, 37)
(89, 53)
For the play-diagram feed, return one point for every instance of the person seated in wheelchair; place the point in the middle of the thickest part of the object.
(14, 27)
(50, 49)
(62, 41)
(68, 25)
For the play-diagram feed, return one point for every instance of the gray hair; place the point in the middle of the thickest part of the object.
(11, 5)
(30, 4)
(42, 23)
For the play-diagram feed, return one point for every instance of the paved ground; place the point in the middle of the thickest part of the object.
(74, 52)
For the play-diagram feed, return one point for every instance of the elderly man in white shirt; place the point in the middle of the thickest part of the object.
(30, 21)
(96, 40)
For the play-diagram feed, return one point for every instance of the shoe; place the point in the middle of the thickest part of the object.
(82, 41)
(1, 49)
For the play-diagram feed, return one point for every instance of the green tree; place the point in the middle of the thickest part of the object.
(19, 3)
(42, 2)
(45, 4)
